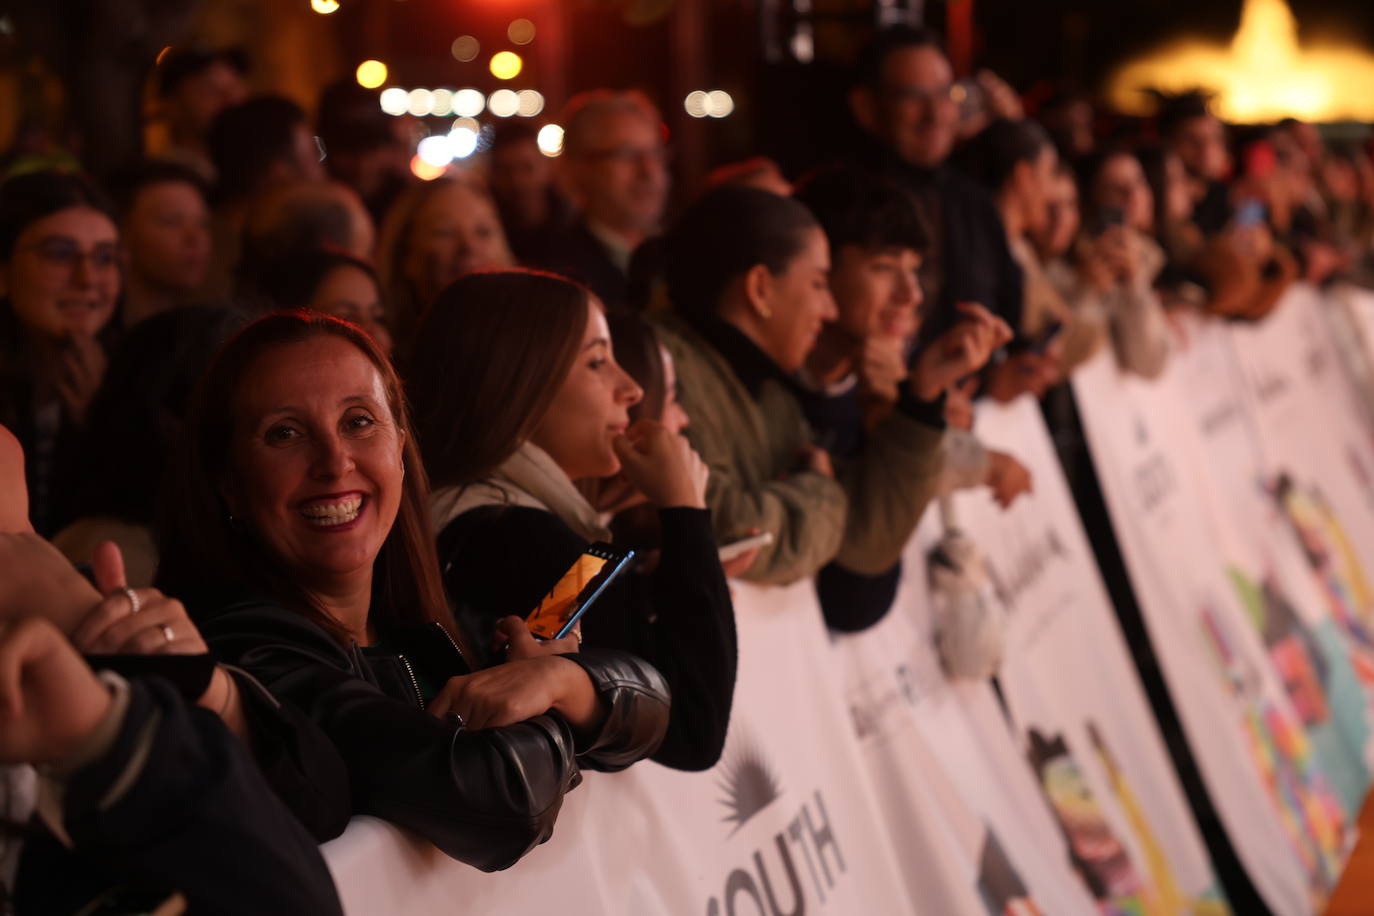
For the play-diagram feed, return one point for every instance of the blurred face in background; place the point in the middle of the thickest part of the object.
(1200, 143)
(455, 231)
(63, 277)
(167, 236)
(912, 110)
(350, 293)
(1032, 186)
(521, 176)
(620, 177)
(1065, 218)
(203, 95)
(1121, 185)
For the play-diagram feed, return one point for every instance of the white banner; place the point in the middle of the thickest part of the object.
(1267, 780)
(786, 823)
(1071, 785)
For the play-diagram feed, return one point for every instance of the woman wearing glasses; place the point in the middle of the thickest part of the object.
(59, 267)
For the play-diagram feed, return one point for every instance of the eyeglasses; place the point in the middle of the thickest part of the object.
(66, 253)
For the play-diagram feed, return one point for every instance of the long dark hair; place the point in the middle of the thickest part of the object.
(489, 358)
(201, 547)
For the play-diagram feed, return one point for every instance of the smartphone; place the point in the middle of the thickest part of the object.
(581, 585)
(735, 548)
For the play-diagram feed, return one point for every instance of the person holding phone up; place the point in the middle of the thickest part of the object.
(299, 537)
(517, 395)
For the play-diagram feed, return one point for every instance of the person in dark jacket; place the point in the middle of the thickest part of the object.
(538, 411)
(299, 536)
(903, 101)
(616, 165)
(141, 796)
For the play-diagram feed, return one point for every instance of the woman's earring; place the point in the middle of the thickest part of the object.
(765, 312)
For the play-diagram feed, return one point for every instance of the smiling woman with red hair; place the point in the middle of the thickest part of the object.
(301, 529)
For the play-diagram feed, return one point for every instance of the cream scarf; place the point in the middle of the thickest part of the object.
(528, 478)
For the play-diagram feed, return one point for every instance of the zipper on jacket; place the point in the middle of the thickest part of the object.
(453, 642)
(419, 697)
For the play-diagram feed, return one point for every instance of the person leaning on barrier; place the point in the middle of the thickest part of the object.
(747, 276)
(517, 394)
(299, 534)
(139, 792)
(852, 379)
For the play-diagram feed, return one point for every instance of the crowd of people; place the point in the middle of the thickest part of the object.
(291, 442)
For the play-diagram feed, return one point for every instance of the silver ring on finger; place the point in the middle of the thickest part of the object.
(135, 603)
(167, 633)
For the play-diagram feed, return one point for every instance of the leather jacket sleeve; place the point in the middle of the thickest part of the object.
(483, 797)
(635, 696)
(177, 802)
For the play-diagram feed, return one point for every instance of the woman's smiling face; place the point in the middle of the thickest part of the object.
(316, 460)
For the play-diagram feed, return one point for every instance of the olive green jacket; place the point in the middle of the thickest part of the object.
(862, 520)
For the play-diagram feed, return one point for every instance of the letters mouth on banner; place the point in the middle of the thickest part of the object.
(795, 871)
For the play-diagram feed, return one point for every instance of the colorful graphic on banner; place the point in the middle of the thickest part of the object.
(1201, 551)
(1072, 693)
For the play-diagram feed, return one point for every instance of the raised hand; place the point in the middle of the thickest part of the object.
(149, 623)
(959, 352)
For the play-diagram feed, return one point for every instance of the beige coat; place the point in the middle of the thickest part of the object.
(862, 520)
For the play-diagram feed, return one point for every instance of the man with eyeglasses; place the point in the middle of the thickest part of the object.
(908, 107)
(615, 167)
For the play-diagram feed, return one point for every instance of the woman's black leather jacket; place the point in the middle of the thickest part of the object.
(483, 797)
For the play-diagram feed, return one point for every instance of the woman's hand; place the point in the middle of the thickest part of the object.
(519, 643)
(663, 466)
(39, 582)
(520, 690)
(161, 625)
(50, 700)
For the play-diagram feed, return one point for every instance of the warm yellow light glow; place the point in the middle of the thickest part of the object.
(371, 74)
(506, 65)
(324, 7)
(423, 170)
(1263, 75)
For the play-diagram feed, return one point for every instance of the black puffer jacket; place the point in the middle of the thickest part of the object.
(483, 797)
